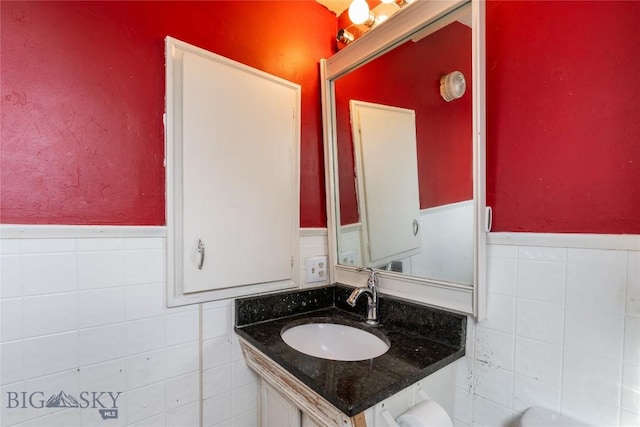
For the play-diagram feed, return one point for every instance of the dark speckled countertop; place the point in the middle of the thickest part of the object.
(423, 339)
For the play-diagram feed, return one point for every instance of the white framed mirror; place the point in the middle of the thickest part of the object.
(398, 66)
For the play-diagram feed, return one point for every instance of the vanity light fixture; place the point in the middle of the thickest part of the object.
(345, 36)
(359, 13)
(452, 86)
(399, 3)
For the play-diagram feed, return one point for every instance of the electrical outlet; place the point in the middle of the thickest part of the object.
(348, 258)
(316, 269)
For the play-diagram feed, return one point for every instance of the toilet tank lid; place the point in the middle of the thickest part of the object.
(538, 417)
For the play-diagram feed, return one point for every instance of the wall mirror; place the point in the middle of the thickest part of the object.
(405, 167)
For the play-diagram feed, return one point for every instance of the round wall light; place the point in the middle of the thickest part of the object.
(452, 86)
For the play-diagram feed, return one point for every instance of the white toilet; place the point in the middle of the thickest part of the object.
(540, 417)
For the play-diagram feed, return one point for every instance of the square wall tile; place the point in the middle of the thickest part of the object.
(9, 246)
(542, 254)
(109, 376)
(593, 382)
(501, 313)
(632, 340)
(597, 287)
(216, 381)
(633, 284)
(216, 409)
(182, 327)
(602, 257)
(490, 414)
(101, 344)
(144, 301)
(216, 352)
(145, 368)
(593, 333)
(188, 415)
(529, 392)
(495, 348)
(631, 387)
(242, 374)
(100, 269)
(502, 251)
(43, 246)
(182, 390)
(244, 398)
(216, 322)
(11, 319)
(249, 418)
(541, 281)
(11, 362)
(493, 383)
(145, 335)
(99, 244)
(629, 419)
(10, 277)
(463, 407)
(50, 314)
(145, 402)
(182, 359)
(464, 373)
(502, 275)
(143, 266)
(50, 354)
(540, 321)
(539, 360)
(48, 273)
(100, 307)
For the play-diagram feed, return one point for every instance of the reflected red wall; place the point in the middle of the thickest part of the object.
(83, 98)
(409, 77)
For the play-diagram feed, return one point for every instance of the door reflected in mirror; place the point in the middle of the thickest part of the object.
(408, 78)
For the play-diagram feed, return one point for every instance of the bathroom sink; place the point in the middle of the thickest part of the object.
(334, 341)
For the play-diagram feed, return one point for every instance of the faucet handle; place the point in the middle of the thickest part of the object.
(373, 277)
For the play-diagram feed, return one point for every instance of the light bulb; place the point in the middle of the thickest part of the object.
(359, 12)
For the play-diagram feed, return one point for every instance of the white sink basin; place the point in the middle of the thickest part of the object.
(334, 342)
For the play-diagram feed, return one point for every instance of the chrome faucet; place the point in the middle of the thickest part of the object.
(372, 296)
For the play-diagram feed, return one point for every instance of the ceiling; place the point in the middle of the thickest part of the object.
(335, 6)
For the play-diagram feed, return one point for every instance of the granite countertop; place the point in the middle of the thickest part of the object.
(423, 339)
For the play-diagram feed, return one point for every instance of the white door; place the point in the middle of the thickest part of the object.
(387, 170)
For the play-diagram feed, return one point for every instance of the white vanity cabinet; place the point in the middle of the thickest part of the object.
(232, 166)
(278, 411)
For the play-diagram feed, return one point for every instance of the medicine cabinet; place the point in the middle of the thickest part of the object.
(232, 177)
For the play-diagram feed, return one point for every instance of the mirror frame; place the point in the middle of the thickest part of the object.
(467, 299)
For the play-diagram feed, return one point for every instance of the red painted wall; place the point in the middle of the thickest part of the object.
(443, 129)
(83, 97)
(563, 116)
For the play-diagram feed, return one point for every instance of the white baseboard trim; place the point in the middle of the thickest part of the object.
(626, 242)
(22, 231)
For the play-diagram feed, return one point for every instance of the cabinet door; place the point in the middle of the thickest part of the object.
(276, 410)
(232, 177)
(308, 422)
(387, 173)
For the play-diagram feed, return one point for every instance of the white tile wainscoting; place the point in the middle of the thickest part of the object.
(562, 332)
(83, 310)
